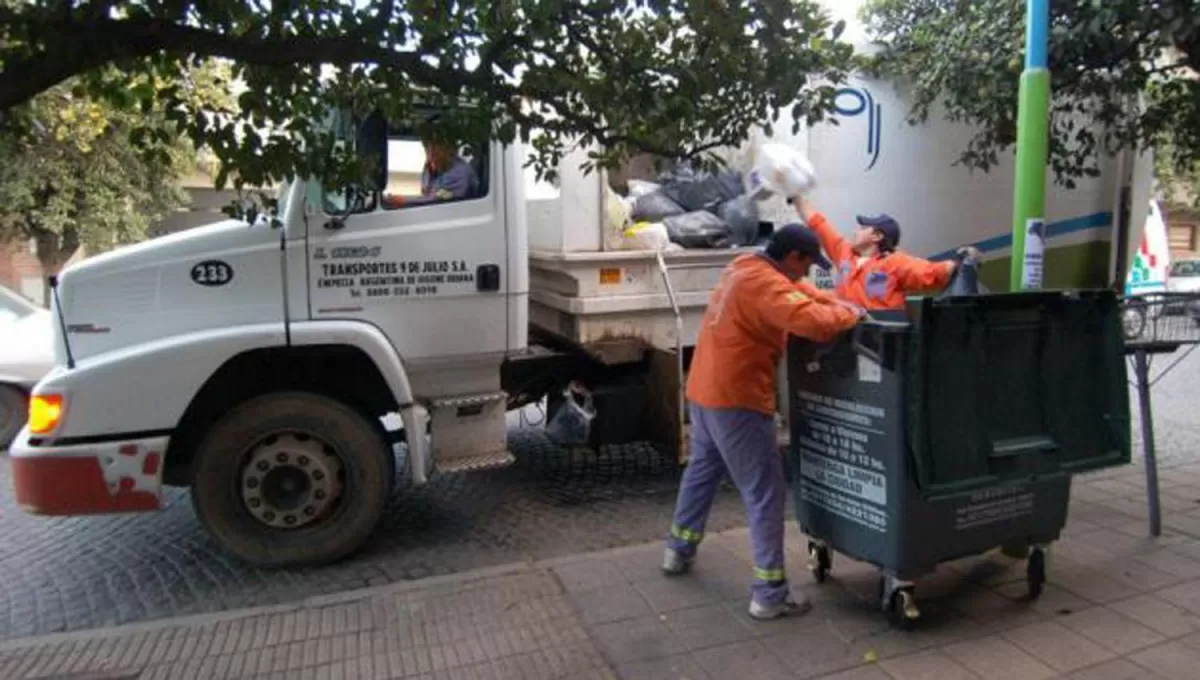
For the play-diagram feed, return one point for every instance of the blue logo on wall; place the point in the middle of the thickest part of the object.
(851, 102)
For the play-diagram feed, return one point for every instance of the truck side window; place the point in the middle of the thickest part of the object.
(420, 172)
(425, 171)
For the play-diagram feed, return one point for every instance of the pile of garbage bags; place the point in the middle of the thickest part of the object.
(691, 209)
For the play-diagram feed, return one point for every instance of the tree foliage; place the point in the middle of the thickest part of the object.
(674, 77)
(1122, 73)
(77, 171)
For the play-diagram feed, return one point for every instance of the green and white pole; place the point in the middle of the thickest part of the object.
(1033, 140)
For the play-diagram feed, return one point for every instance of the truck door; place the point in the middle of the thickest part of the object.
(426, 270)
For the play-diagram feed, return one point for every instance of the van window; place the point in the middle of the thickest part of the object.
(1185, 268)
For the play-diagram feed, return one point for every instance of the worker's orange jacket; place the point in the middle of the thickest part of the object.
(879, 282)
(753, 309)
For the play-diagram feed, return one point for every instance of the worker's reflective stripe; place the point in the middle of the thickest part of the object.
(684, 534)
(768, 575)
(796, 297)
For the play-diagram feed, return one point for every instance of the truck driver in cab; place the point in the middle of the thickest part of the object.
(445, 177)
(868, 270)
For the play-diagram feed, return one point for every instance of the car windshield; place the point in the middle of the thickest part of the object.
(1186, 268)
(13, 306)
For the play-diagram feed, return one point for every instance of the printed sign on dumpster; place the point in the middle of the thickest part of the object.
(838, 472)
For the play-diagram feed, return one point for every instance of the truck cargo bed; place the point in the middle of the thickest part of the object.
(615, 304)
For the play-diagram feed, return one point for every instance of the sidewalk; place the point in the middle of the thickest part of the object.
(1118, 605)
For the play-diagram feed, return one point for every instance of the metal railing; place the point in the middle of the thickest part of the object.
(1156, 323)
(1161, 318)
(665, 270)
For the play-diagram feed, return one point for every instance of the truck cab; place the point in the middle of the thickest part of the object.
(253, 362)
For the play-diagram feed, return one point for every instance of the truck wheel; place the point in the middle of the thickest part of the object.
(13, 411)
(291, 479)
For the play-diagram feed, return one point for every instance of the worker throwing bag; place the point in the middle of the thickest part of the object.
(757, 303)
(869, 271)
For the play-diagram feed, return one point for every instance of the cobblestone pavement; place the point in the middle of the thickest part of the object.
(78, 573)
(509, 625)
(74, 573)
(1118, 605)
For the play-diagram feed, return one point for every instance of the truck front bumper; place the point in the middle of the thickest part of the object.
(119, 475)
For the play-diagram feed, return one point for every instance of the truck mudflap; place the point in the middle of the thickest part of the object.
(88, 479)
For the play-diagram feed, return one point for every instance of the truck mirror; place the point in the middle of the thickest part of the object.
(371, 144)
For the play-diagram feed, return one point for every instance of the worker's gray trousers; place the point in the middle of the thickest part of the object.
(742, 443)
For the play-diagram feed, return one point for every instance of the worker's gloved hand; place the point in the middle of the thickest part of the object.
(803, 208)
(859, 312)
(969, 253)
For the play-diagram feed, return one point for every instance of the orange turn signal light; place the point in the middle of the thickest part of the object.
(45, 412)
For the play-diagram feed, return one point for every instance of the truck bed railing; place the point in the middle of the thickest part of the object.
(665, 270)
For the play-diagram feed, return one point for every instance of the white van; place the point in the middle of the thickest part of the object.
(1152, 260)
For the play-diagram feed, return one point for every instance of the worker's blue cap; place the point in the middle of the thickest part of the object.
(797, 238)
(884, 224)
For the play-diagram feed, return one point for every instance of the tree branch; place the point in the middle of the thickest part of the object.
(99, 42)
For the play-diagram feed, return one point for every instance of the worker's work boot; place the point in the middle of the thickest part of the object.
(792, 606)
(674, 563)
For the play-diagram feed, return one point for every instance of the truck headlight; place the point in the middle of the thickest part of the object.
(45, 412)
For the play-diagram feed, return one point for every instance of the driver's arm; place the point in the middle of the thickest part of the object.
(456, 182)
(399, 200)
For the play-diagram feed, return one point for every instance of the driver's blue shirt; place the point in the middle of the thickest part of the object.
(457, 181)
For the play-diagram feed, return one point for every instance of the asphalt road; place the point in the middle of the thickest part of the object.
(78, 573)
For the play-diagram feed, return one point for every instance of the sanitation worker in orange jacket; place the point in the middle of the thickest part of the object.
(868, 270)
(758, 302)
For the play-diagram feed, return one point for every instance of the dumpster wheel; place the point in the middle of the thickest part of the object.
(1035, 572)
(820, 561)
(899, 602)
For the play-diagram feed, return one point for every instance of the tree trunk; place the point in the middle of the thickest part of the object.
(53, 251)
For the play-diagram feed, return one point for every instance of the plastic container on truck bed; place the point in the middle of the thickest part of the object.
(952, 428)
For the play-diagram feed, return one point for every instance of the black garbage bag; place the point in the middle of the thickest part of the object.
(700, 190)
(571, 424)
(741, 214)
(655, 207)
(699, 229)
(965, 280)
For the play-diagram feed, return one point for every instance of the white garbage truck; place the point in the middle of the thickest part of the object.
(255, 363)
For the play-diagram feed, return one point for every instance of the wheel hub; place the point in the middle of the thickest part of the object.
(291, 480)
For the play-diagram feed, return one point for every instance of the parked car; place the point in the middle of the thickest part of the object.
(1183, 279)
(26, 354)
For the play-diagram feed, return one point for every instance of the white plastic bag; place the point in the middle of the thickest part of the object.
(646, 236)
(618, 213)
(571, 424)
(640, 187)
(782, 171)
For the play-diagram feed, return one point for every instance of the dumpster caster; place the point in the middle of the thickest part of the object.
(899, 602)
(820, 561)
(1035, 572)
(904, 612)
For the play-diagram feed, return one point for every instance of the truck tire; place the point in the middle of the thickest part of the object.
(291, 478)
(14, 406)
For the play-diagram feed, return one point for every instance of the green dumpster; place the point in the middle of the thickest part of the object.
(954, 427)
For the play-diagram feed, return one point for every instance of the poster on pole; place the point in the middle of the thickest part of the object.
(1035, 249)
